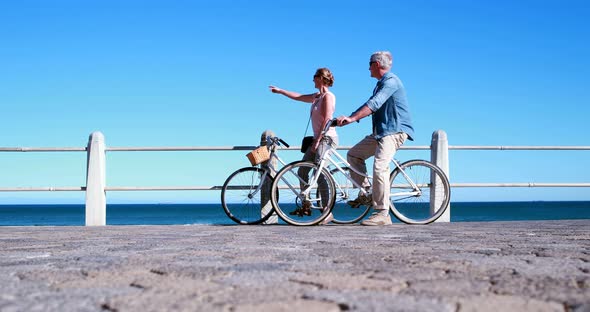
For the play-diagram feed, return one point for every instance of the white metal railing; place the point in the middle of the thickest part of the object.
(514, 148)
(96, 183)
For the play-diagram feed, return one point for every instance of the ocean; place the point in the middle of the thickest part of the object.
(162, 214)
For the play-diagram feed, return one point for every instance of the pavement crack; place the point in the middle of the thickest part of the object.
(158, 272)
(107, 307)
(136, 285)
(318, 285)
(341, 305)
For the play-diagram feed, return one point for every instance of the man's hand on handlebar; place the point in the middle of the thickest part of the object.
(359, 114)
(343, 121)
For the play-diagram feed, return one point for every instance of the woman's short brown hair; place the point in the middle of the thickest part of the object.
(326, 76)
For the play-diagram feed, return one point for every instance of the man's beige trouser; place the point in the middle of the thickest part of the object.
(383, 150)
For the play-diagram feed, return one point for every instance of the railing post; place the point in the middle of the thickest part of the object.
(265, 203)
(439, 155)
(95, 181)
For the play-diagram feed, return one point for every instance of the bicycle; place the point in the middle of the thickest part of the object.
(244, 191)
(242, 196)
(419, 190)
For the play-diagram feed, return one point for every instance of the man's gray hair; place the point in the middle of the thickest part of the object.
(384, 58)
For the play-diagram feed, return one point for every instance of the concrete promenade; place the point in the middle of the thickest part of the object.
(492, 266)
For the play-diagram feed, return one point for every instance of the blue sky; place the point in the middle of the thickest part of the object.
(192, 73)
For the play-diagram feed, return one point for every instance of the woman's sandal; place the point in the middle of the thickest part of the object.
(304, 210)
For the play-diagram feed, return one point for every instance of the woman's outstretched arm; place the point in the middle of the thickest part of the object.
(307, 98)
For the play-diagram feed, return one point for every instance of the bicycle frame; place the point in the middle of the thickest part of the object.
(327, 157)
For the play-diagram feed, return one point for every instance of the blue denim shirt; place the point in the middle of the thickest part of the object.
(390, 108)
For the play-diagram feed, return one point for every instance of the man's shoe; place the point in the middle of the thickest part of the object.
(366, 200)
(378, 218)
(328, 219)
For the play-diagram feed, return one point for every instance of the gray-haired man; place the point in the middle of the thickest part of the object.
(392, 125)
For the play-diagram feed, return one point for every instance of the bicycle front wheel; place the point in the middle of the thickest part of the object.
(289, 202)
(241, 196)
(420, 192)
(342, 211)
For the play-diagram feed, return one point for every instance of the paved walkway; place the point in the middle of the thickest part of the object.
(493, 266)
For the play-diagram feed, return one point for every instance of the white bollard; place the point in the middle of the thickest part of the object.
(439, 155)
(265, 203)
(96, 181)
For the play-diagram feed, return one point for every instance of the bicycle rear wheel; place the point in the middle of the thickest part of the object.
(287, 199)
(428, 202)
(342, 211)
(241, 195)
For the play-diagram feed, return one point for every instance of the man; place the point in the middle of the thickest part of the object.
(392, 125)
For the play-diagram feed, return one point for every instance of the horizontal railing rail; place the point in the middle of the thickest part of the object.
(43, 149)
(163, 188)
(519, 148)
(251, 147)
(224, 148)
(43, 189)
(96, 184)
(219, 187)
(529, 184)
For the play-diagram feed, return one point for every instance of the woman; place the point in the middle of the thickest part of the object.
(323, 104)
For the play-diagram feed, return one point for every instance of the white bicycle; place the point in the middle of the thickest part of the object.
(420, 191)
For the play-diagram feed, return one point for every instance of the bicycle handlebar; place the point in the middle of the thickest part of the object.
(277, 141)
(330, 123)
(284, 143)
